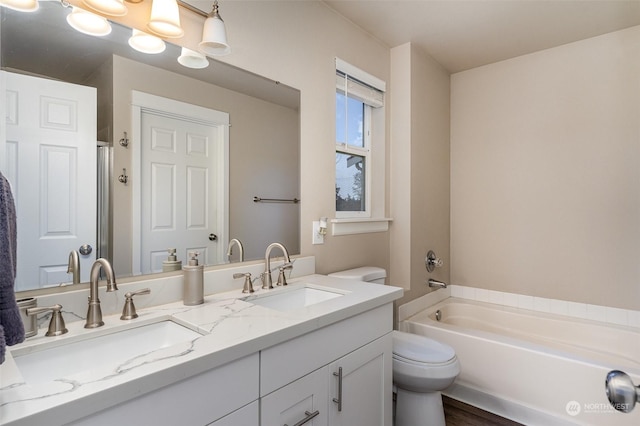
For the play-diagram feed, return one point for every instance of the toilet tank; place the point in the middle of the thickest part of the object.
(370, 274)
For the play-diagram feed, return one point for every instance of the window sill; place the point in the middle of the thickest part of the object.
(350, 226)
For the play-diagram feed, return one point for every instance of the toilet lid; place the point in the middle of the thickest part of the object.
(364, 273)
(420, 348)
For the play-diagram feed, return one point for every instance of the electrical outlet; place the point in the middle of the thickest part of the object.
(317, 237)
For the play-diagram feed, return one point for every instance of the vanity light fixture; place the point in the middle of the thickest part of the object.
(20, 5)
(165, 19)
(146, 43)
(107, 7)
(88, 23)
(190, 59)
(214, 35)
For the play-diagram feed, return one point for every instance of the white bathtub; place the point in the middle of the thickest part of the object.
(532, 367)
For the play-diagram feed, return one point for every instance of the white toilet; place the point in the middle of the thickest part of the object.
(422, 367)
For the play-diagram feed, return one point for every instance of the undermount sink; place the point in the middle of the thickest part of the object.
(292, 299)
(94, 351)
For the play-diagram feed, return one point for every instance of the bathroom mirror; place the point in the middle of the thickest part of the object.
(263, 149)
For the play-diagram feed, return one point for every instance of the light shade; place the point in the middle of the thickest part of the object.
(165, 19)
(88, 23)
(21, 5)
(214, 35)
(146, 43)
(191, 59)
(107, 7)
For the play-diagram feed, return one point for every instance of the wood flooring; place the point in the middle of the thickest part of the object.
(457, 413)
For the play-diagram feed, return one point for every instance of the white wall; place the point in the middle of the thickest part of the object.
(545, 173)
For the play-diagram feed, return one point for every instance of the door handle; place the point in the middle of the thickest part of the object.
(85, 249)
(338, 400)
(213, 237)
(306, 419)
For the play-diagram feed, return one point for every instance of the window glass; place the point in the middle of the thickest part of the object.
(350, 182)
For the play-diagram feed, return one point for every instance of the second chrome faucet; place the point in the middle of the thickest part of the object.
(267, 281)
(94, 313)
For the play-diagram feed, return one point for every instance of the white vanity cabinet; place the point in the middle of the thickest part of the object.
(302, 376)
(361, 386)
(304, 399)
(247, 415)
(228, 390)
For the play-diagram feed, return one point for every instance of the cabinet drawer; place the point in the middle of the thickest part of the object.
(286, 362)
(246, 416)
(307, 397)
(198, 400)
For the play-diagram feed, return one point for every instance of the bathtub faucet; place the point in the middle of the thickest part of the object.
(436, 284)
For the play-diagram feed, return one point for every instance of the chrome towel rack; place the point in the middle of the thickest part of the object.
(275, 200)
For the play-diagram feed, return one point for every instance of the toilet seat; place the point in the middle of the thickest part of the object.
(416, 349)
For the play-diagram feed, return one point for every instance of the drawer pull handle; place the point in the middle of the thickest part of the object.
(306, 419)
(338, 400)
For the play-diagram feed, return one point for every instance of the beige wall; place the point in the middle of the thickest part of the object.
(296, 43)
(419, 169)
(249, 145)
(545, 173)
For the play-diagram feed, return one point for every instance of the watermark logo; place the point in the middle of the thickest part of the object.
(573, 408)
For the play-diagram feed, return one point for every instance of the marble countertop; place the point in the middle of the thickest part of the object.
(231, 328)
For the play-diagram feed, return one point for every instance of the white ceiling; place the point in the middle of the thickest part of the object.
(464, 34)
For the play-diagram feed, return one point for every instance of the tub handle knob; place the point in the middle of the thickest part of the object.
(432, 261)
(621, 391)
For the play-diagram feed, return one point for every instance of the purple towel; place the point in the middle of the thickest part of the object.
(11, 327)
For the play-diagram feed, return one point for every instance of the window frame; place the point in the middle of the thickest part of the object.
(348, 223)
(365, 152)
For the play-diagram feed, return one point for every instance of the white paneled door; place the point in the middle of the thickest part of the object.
(182, 186)
(48, 153)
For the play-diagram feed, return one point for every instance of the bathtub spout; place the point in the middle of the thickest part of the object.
(436, 284)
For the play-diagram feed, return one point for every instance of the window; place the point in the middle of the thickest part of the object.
(356, 101)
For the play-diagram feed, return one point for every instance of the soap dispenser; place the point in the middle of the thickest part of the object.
(193, 289)
(172, 263)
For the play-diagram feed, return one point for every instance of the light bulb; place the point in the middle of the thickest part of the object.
(21, 5)
(107, 7)
(88, 23)
(165, 19)
(191, 59)
(146, 43)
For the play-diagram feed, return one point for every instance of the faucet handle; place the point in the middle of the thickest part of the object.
(432, 261)
(129, 309)
(56, 325)
(282, 279)
(248, 286)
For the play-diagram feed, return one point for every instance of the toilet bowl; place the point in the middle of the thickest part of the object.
(422, 367)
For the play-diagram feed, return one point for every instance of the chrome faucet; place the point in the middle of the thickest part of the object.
(436, 283)
(74, 266)
(94, 314)
(236, 242)
(267, 282)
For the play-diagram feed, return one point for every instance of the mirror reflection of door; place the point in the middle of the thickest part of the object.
(182, 184)
(49, 157)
